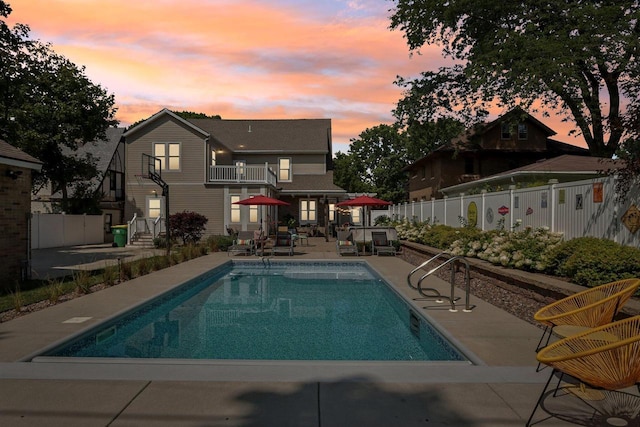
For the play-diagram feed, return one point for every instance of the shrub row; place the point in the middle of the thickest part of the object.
(586, 261)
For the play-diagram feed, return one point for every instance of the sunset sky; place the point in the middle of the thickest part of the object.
(241, 59)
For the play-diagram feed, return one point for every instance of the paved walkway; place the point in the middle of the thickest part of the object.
(499, 390)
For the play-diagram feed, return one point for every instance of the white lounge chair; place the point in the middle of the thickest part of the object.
(243, 244)
(345, 243)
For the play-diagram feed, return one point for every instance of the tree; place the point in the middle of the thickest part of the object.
(49, 107)
(579, 57)
(375, 163)
(189, 226)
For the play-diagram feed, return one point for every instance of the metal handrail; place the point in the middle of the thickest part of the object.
(131, 229)
(424, 264)
(435, 292)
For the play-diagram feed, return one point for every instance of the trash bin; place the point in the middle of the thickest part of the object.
(119, 235)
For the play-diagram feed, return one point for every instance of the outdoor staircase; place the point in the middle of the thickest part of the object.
(142, 240)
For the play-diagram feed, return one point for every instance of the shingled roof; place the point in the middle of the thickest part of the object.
(269, 136)
(10, 155)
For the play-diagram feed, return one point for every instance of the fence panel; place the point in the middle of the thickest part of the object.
(496, 212)
(59, 230)
(576, 209)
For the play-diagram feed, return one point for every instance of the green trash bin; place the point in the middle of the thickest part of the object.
(119, 235)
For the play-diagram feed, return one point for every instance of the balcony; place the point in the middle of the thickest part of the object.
(246, 174)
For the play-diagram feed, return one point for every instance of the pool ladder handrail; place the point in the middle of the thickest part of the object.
(435, 293)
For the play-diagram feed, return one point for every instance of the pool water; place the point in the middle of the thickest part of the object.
(283, 311)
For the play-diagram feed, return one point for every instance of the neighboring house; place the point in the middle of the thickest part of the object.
(110, 162)
(565, 168)
(209, 164)
(513, 140)
(16, 168)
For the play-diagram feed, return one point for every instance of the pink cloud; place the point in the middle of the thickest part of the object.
(238, 59)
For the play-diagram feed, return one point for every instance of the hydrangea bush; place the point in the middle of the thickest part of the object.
(528, 249)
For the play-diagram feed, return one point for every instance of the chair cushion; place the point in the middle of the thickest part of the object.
(345, 243)
(283, 242)
(244, 241)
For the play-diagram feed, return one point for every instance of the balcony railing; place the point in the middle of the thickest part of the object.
(243, 174)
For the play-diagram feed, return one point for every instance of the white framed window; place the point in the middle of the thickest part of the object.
(308, 211)
(355, 216)
(213, 157)
(284, 169)
(234, 214)
(253, 213)
(154, 207)
(169, 154)
(332, 212)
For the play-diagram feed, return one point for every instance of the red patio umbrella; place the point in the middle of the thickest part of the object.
(261, 200)
(364, 201)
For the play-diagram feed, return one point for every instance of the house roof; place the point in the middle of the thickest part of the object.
(564, 168)
(10, 155)
(158, 116)
(311, 184)
(103, 150)
(466, 140)
(269, 136)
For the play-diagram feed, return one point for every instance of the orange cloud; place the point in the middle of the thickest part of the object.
(238, 59)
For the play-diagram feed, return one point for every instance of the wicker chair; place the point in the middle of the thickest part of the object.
(607, 357)
(584, 310)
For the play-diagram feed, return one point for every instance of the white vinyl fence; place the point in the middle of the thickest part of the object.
(57, 230)
(576, 209)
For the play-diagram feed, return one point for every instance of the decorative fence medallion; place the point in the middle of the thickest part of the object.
(631, 219)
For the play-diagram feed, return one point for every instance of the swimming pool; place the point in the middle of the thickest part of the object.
(247, 310)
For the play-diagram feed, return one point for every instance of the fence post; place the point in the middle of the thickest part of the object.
(484, 193)
(446, 198)
(461, 208)
(511, 195)
(433, 209)
(552, 203)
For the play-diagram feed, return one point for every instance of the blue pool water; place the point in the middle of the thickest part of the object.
(285, 311)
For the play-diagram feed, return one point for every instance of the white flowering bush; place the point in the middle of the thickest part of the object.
(528, 249)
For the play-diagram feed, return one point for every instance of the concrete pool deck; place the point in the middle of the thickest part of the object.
(501, 391)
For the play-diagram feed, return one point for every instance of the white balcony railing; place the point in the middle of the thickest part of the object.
(243, 174)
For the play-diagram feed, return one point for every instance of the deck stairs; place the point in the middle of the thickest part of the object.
(142, 240)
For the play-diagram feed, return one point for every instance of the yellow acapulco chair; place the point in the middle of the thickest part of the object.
(591, 308)
(606, 357)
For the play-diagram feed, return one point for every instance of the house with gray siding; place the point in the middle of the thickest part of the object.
(209, 164)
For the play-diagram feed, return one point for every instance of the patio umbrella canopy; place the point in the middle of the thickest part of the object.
(364, 201)
(261, 200)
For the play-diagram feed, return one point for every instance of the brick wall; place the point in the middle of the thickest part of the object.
(15, 207)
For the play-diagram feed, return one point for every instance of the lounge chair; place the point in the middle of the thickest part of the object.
(345, 243)
(283, 244)
(380, 244)
(591, 308)
(605, 358)
(243, 244)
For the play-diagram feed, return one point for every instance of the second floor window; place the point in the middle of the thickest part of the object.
(213, 157)
(506, 131)
(284, 169)
(523, 132)
(169, 154)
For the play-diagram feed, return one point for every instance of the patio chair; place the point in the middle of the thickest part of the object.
(243, 244)
(345, 243)
(302, 234)
(606, 357)
(283, 244)
(584, 310)
(380, 244)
